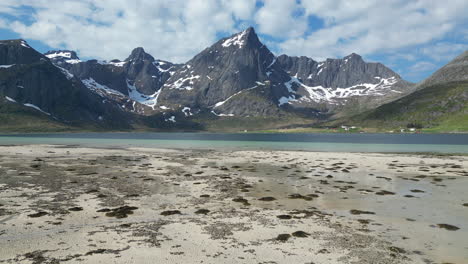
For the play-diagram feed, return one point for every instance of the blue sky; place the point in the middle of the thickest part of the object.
(413, 37)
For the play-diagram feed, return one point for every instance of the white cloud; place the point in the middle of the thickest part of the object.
(9, 7)
(367, 27)
(444, 51)
(242, 9)
(422, 66)
(278, 18)
(174, 30)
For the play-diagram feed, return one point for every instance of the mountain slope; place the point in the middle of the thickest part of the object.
(440, 104)
(441, 107)
(29, 79)
(19, 118)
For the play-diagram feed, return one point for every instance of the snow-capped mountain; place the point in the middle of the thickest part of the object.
(335, 81)
(237, 76)
(133, 84)
(217, 77)
(234, 69)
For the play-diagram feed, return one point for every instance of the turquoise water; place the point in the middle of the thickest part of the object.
(308, 142)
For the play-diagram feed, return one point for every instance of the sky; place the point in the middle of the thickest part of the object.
(412, 37)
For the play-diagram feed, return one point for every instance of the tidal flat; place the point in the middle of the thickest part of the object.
(72, 204)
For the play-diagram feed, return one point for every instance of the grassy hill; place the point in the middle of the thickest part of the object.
(437, 108)
(18, 118)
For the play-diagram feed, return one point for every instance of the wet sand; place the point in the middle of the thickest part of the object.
(69, 204)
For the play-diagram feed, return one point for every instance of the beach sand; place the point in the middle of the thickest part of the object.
(70, 204)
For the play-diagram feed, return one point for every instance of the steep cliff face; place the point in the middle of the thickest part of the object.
(223, 72)
(147, 74)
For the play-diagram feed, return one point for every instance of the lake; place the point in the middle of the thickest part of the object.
(441, 143)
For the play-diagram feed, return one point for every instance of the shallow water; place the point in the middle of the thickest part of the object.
(442, 143)
(410, 223)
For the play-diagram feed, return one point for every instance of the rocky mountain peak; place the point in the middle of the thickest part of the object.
(233, 65)
(17, 51)
(246, 38)
(139, 54)
(353, 56)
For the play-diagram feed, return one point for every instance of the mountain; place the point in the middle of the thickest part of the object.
(237, 81)
(439, 104)
(30, 80)
(133, 83)
(239, 76)
(341, 86)
(230, 78)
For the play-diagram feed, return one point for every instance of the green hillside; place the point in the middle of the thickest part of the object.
(437, 108)
(18, 118)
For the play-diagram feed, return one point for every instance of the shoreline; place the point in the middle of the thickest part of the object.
(143, 205)
(427, 153)
(230, 132)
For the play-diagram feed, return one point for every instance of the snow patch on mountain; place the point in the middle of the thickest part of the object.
(61, 54)
(37, 108)
(321, 69)
(117, 64)
(187, 111)
(148, 100)
(10, 99)
(185, 83)
(328, 94)
(285, 100)
(229, 98)
(100, 89)
(75, 61)
(237, 40)
(272, 63)
(216, 114)
(24, 44)
(170, 119)
(6, 66)
(65, 72)
(159, 63)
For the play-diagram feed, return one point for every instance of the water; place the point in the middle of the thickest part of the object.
(442, 143)
(438, 204)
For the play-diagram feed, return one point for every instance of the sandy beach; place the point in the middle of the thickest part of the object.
(70, 204)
